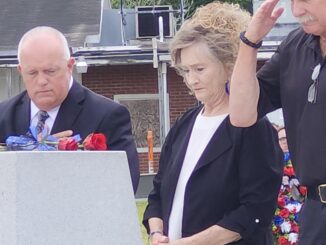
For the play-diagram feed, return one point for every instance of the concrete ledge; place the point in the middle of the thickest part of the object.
(67, 198)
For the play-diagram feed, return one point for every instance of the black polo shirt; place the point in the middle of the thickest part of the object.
(284, 83)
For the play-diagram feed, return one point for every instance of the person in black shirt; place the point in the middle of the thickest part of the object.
(294, 79)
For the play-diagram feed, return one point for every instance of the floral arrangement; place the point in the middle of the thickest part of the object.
(93, 142)
(291, 196)
(45, 142)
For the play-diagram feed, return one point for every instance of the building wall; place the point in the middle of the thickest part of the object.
(10, 82)
(139, 79)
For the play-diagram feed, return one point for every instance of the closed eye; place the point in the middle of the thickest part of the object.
(50, 72)
(199, 69)
(32, 73)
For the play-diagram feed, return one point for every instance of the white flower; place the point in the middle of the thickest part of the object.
(292, 206)
(285, 180)
(293, 237)
(286, 227)
(293, 182)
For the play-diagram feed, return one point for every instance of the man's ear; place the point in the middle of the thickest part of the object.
(19, 68)
(71, 63)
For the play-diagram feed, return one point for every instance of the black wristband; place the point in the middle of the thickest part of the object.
(152, 234)
(155, 232)
(248, 42)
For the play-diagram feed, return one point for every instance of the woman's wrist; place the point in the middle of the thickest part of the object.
(152, 234)
(155, 232)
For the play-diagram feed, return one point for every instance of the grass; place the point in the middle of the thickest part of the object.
(141, 205)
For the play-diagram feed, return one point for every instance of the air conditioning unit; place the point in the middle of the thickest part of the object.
(147, 23)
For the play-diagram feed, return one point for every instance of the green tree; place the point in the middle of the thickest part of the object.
(190, 5)
(194, 4)
(132, 3)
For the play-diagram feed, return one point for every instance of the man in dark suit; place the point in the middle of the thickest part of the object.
(46, 67)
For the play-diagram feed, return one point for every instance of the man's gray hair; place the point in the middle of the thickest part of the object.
(42, 29)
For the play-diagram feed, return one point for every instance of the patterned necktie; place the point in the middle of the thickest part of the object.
(42, 116)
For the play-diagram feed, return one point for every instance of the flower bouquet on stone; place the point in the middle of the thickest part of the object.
(93, 142)
(43, 141)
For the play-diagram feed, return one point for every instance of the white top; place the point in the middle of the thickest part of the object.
(52, 113)
(203, 130)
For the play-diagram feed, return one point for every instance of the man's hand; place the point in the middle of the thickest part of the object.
(263, 21)
(63, 134)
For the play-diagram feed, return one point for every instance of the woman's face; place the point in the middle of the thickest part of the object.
(205, 75)
(282, 140)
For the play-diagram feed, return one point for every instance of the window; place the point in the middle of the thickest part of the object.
(145, 115)
(10, 82)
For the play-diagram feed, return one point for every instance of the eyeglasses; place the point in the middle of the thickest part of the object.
(312, 92)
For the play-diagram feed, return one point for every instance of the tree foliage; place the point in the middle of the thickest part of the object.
(132, 3)
(192, 4)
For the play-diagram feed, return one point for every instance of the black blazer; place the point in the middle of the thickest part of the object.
(84, 112)
(235, 183)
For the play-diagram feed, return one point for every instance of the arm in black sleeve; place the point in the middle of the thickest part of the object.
(260, 174)
(153, 208)
(120, 138)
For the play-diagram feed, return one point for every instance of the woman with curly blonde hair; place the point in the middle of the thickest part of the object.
(216, 184)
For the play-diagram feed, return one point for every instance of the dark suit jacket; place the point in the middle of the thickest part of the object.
(235, 183)
(84, 112)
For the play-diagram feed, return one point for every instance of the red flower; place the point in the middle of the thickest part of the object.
(289, 171)
(281, 201)
(67, 144)
(293, 211)
(303, 190)
(294, 227)
(284, 213)
(283, 241)
(95, 142)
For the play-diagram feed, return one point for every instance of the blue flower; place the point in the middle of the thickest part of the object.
(21, 143)
(296, 217)
(278, 220)
(286, 157)
(29, 141)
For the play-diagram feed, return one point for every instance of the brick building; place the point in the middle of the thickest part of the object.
(111, 81)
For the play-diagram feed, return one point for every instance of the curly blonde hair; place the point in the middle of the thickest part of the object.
(218, 25)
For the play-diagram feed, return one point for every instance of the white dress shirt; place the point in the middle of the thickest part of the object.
(52, 113)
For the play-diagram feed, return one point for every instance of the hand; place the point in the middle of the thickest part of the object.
(182, 241)
(158, 239)
(263, 21)
(63, 134)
